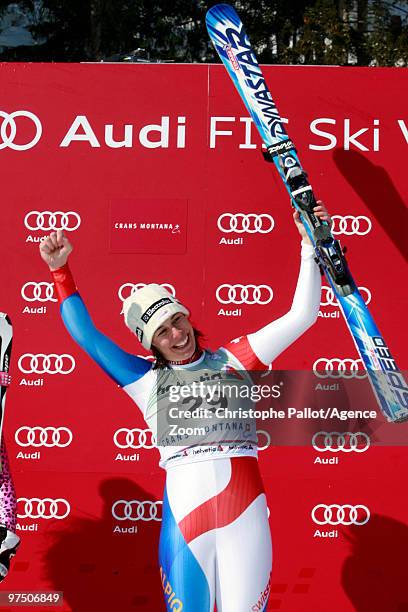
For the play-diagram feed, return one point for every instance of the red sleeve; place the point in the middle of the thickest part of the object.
(242, 350)
(63, 282)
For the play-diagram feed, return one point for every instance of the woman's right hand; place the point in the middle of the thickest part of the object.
(55, 249)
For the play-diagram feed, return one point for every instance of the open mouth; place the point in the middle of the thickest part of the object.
(183, 344)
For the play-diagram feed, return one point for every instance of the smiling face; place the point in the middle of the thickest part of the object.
(175, 338)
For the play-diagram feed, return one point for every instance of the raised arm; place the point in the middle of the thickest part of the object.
(274, 338)
(122, 367)
(262, 347)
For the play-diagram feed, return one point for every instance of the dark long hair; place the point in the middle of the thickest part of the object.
(161, 362)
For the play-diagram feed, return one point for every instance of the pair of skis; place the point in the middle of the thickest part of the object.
(232, 44)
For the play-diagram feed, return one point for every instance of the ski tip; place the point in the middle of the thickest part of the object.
(219, 10)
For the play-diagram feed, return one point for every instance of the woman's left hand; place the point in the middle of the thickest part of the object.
(320, 211)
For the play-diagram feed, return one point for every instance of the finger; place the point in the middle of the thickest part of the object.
(296, 218)
(60, 238)
(44, 247)
(53, 239)
(325, 218)
(320, 209)
(67, 246)
(322, 214)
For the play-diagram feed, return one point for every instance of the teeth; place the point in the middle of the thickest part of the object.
(181, 345)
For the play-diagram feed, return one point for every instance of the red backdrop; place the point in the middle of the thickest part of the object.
(79, 143)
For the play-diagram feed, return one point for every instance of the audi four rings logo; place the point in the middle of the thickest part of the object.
(334, 441)
(47, 220)
(46, 364)
(8, 130)
(46, 508)
(43, 436)
(339, 368)
(38, 292)
(329, 299)
(340, 515)
(249, 223)
(134, 438)
(128, 289)
(134, 510)
(244, 294)
(349, 225)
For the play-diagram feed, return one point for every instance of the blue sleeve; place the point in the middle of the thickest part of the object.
(123, 367)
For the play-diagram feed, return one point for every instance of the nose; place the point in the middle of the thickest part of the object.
(177, 334)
